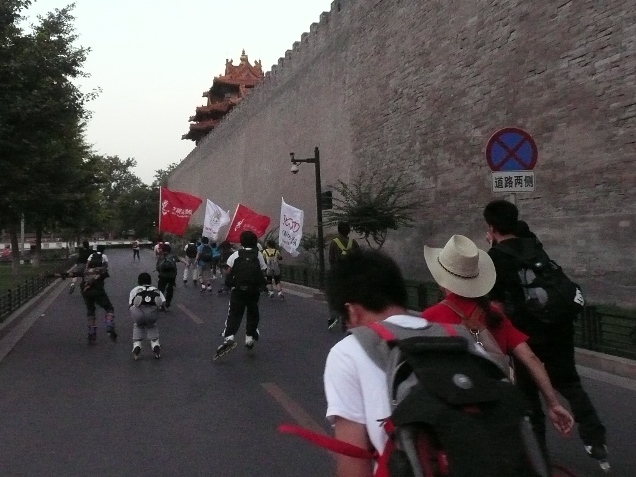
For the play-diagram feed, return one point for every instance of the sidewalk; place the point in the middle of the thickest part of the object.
(623, 367)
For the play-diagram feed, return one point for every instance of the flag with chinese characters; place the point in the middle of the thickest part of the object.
(291, 228)
(246, 219)
(176, 210)
(215, 218)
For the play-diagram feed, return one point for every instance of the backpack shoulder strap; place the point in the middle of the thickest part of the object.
(473, 322)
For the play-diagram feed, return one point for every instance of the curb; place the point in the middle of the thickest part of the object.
(15, 317)
(616, 365)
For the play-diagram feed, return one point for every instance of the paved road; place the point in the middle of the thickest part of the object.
(67, 409)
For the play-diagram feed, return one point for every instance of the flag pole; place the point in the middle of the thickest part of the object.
(231, 221)
(159, 230)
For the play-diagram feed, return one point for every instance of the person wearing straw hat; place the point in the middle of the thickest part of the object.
(466, 274)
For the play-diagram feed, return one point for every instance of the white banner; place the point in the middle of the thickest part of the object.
(215, 218)
(291, 228)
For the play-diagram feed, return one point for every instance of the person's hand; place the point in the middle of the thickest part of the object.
(561, 419)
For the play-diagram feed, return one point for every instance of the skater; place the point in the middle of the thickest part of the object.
(80, 263)
(144, 304)
(94, 293)
(135, 248)
(272, 259)
(204, 259)
(167, 269)
(225, 251)
(339, 247)
(245, 278)
(191, 251)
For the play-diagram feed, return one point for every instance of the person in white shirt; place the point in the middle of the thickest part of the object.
(144, 303)
(366, 288)
(245, 277)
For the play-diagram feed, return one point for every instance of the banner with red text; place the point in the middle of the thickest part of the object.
(291, 228)
(176, 210)
(246, 219)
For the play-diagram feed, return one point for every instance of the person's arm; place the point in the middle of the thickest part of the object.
(356, 434)
(261, 261)
(560, 417)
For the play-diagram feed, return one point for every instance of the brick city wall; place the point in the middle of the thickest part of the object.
(417, 88)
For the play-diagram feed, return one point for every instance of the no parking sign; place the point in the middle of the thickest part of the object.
(511, 154)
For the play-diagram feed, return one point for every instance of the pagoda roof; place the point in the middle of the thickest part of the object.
(242, 74)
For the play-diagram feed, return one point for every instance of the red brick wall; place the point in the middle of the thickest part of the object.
(417, 88)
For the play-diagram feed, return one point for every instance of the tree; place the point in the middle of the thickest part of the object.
(161, 175)
(373, 204)
(42, 114)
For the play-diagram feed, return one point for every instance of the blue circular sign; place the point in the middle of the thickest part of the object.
(511, 149)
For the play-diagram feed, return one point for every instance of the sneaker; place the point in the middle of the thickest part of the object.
(92, 338)
(210, 289)
(136, 351)
(599, 452)
(185, 282)
(228, 345)
(71, 288)
(112, 334)
(202, 288)
(331, 324)
(157, 350)
(195, 281)
(213, 277)
(281, 296)
(271, 294)
(249, 342)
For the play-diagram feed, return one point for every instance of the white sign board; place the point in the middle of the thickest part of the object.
(513, 181)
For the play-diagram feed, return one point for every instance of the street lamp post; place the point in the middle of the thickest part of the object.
(321, 240)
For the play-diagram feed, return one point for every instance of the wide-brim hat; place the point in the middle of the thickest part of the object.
(461, 267)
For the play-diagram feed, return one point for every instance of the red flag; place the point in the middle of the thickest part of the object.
(246, 219)
(176, 210)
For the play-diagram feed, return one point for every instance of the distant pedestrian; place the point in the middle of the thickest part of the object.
(80, 263)
(167, 269)
(245, 278)
(204, 258)
(135, 248)
(273, 275)
(225, 252)
(191, 267)
(339, 248)
(94, 294)
(144, 303)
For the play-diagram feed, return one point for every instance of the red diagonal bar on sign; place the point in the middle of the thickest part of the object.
(510, 153)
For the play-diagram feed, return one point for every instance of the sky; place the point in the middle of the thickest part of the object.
(153, 60)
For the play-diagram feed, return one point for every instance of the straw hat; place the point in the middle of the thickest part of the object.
(461, 267)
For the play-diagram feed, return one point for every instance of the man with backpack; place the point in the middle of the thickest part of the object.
(144, 303)
(244, 278)
(191, 250)
(339, 247)
(204, 259)
(272, 260)
(167, 269)
(407, 397)
(543, 303)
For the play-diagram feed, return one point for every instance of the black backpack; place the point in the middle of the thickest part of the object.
(454, 412)
(148, 296)
(96, 260)
(246, 270)
(167, 265)
(206, 253)
(550, 296)
(191, 250)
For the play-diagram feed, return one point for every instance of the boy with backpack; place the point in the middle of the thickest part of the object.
(272, 260)
(450, 406)
(191, 250)
(204, 258)
(167, 269)
(244, 278)
(94, 293)
(144, 303)
(543, 303)
(339, 248)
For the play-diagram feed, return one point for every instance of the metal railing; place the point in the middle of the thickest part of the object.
(599, 328)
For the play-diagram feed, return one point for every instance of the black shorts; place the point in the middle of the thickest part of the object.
(275, 279)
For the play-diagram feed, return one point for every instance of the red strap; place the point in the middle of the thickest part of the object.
(382, 331)
(328, 442)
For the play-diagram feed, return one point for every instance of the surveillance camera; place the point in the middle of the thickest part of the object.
(294, 169)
